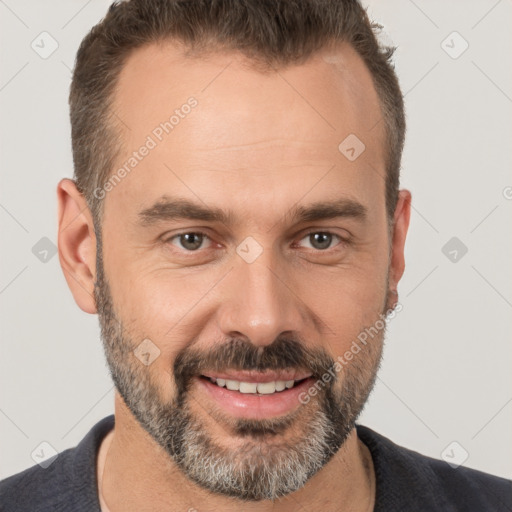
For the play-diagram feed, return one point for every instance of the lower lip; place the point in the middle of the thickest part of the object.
(254, 406)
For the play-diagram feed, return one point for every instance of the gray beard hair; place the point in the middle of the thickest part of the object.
(252, 473)
(263, 469)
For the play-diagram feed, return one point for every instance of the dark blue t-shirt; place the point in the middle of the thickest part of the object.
(405, 481)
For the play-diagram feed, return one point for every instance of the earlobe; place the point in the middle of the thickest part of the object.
(77, 244)
(399, 234)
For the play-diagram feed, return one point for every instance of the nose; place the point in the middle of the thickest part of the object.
(259, 301)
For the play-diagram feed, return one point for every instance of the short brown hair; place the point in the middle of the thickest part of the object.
(272, 32)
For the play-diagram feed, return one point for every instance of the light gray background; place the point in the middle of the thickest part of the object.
(446, 374)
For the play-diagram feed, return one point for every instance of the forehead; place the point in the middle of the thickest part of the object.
(253, 133)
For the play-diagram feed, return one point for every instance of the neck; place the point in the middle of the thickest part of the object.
(134, 473)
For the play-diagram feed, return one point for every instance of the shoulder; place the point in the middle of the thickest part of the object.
(68, 483)
(39, 487)
(420, 481)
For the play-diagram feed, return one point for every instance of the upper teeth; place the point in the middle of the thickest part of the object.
(265, 388)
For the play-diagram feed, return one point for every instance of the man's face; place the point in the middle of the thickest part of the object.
(262, 289)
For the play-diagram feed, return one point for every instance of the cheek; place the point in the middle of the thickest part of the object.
(359, 284)
(161, 306)
(346, 303)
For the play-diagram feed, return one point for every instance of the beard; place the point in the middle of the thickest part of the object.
(278, 455)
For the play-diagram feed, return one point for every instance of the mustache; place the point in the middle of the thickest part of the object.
(240, 354)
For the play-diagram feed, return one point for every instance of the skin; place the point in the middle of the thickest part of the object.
(256, 144)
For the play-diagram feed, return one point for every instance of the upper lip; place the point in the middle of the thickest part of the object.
(256, 376)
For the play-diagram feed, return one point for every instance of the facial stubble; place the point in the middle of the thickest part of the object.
(278, 456)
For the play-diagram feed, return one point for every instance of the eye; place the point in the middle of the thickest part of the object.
(190, 241)
(322, 240)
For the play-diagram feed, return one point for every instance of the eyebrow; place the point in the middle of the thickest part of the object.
(170, 209)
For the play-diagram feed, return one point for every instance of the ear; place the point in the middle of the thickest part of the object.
(77, 244)
(399, 233)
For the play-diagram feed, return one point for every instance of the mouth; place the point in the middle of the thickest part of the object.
(260, 388)
(255, 396)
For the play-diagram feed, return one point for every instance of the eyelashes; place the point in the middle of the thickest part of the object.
(181, 238)
(343, 241)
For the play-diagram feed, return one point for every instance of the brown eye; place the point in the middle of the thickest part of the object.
(190, 241)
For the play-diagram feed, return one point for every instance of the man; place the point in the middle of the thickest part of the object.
(268, 136)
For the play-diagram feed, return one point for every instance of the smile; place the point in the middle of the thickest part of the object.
(262, 388)
(245, 398)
